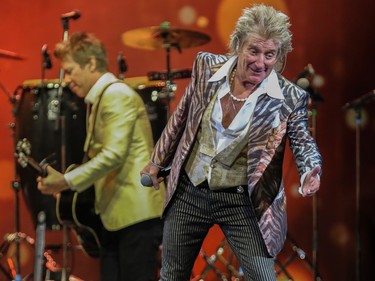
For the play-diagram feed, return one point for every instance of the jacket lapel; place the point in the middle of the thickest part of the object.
(200, 102)
(259, 152)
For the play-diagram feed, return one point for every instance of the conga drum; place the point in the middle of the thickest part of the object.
(53, 120)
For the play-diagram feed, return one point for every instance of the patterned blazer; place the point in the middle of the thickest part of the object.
(273, 121)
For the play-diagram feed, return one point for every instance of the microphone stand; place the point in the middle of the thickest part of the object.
(357, 106)
(357, 191)
(46, 63)
(39, 247)
(65, 23)
(122, 66)
(315, 238)
(303, 81)
(16, 187)
(61, 120)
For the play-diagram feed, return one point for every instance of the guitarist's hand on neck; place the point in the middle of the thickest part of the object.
(53, 183)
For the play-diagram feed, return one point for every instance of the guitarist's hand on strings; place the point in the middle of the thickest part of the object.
(53, 183)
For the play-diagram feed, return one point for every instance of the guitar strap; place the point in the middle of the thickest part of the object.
(89, 137)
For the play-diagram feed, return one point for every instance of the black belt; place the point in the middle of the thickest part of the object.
(232, 189)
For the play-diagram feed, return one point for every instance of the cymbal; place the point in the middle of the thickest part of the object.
(163, 37)
(10, 55)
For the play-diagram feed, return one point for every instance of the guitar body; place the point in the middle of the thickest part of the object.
(77, 210)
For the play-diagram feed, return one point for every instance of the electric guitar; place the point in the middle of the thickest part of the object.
(76, 210)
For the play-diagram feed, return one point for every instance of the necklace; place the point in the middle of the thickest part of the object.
(230, 88)
(237, 99)
(232, 97)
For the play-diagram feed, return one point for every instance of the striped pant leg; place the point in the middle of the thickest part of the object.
(186, 224)
(234, 213)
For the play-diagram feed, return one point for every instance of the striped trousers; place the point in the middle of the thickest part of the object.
(189, 217)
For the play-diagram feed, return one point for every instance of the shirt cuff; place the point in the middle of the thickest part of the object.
(160, 167)
(69, 182)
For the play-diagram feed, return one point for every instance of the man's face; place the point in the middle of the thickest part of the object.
(79, 79)
(256, 60)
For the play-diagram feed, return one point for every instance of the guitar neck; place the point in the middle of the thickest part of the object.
(40, 169)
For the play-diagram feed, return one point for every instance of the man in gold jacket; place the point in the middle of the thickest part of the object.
(118, 144)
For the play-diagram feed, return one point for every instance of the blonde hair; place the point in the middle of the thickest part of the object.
(266, 22)
(82, 46)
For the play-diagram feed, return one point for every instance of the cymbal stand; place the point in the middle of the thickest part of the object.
(234, 274)
(210, 261)
(170, 87)
(9, 238)
(296, 252)
(283, 270)
(4, 246)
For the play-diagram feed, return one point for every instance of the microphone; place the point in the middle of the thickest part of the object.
(121, 64)
(47, 63)
(303, 80)
(75, 14)
(305, 73)
(147, 181)
(359, 102)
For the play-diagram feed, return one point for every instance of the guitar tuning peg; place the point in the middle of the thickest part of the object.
(24, 146)
(21, 159)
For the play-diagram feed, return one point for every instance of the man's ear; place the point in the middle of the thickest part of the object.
(92, 63)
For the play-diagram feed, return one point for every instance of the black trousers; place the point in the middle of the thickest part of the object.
(193, 211)
(132, 252)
